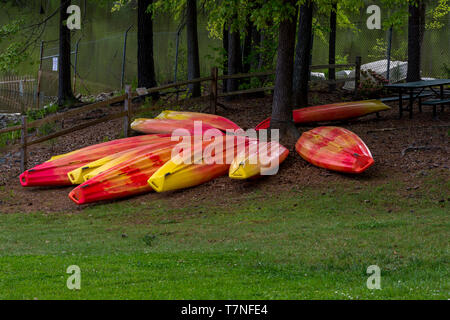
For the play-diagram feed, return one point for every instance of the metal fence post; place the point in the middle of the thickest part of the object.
(357, 73)
(213, 93)
(38, 89)
(124, 55)
(388, 73)
(23, 144)
(75, 67)
(127, 109)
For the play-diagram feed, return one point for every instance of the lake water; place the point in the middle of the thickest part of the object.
(99, 61)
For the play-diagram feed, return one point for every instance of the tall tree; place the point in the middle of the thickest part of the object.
(416, 30)
(234, 57)
(192, 47)
(332, 44)
(65, 94)
(247, 45)
(281, 106)
(146, 64)
(225, 48)
(303, 55)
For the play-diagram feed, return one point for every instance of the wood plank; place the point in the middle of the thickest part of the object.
(334, 66)
(76, 111)
(78, 127)
(246, 91)
(177, 84)
(332, 81)
(246, 75)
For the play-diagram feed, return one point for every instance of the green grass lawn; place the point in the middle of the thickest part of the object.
(312, 243)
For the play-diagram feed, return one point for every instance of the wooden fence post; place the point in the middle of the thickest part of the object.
(357, 73)
(127, 109)
(23, 144)
(213, 94)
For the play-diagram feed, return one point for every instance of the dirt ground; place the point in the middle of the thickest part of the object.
(417, 147)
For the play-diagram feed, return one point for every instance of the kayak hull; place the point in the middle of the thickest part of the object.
(90, 170)
(213, 120)
(261, 158)
(332, 112)
(336, 149)
(54, 172)
(183, 172)
(175, 127)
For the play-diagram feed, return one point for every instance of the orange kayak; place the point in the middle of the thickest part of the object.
(127, 178)
(54, 172)
(177, 127)
(213, 120)
(332, 112)
(335, 149)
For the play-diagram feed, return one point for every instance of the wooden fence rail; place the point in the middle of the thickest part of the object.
(127, 111)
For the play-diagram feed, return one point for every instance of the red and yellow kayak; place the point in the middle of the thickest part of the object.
(335, 149)
(213, 120)
(332, 112)
(127, 178)
(177, 127)
(94, 168)
(197, 168)
(54, 172)
(260, 158)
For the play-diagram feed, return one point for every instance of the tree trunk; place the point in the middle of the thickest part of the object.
(282, 107)
(247, 46)
(65, 94)
(303, 55)
(332, 46)
(256, 37)
(414, 41)
(146, 64)
(234, 59)
(192, 47)
(225, 61)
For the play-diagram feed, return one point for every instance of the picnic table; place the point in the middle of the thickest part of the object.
(415, 89)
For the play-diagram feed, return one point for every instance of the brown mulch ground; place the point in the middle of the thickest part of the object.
(419, 147)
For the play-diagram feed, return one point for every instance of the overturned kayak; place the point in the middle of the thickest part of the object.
(94, 168)
(335, 149)
(332, 112)
(54, 172)
(213, 120)
(197, 168)
(175, 127)
(260, 158)
(127, 178)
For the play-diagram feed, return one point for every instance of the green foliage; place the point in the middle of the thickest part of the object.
(380, 48)
(438, 14)
(446, 70)
(15, 52)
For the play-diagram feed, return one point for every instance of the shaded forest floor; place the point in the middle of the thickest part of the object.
(417, 147)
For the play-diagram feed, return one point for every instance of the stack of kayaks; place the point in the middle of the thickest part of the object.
(166, 159)
(54, 172)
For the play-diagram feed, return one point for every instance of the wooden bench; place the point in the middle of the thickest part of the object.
(406, 97)
(435, 103)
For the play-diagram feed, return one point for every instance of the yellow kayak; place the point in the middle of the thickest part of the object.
(261, 158)
(181, 171)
